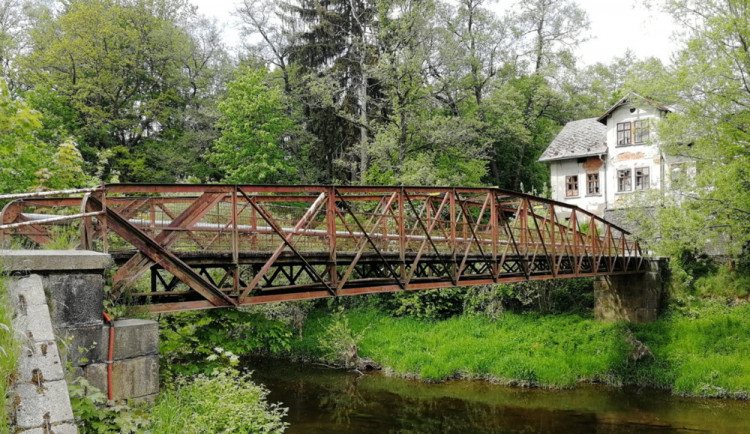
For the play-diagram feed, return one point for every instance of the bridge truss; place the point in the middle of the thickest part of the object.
(206, 246)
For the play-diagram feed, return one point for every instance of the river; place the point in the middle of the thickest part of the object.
(322, 400)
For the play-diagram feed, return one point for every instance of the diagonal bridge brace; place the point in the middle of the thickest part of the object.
(286, 242)
(160, 255)
(140, 263)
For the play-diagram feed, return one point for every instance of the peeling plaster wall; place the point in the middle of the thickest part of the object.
(631, 156)
(559, 170)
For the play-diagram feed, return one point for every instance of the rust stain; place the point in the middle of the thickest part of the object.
(592, 165)
(625, 156)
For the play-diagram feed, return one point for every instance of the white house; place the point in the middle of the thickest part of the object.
(596, 163)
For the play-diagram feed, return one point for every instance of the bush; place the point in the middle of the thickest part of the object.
(339, 343)
(431, 304)
(189, 338)
(224, 402)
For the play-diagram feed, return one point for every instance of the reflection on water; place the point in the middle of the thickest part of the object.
(322, 400)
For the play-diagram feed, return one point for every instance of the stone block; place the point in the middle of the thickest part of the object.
(35, 325)
(633, 298)
(39, 405)
(40, 359)
(75, 299)
(54, 260)
(63, 428)
(28, 291)
(82, 345)
(131, 378)
(133, 338)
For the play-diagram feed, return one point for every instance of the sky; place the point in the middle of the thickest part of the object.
(616, 25)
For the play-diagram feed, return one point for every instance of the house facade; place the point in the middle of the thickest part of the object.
(597, 163)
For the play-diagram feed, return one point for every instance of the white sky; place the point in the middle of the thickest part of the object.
(616, 25)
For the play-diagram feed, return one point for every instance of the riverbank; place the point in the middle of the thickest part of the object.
(696, 350)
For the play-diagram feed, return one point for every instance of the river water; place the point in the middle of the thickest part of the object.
(322, 400)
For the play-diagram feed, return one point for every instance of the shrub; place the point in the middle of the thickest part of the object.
(224, 402)
(431, 304)
(339, 343)
(189, 338)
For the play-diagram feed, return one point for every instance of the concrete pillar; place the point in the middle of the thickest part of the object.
(632, 297)
(73, 282)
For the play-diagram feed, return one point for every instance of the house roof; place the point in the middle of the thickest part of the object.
(582, 138)
(627, 99)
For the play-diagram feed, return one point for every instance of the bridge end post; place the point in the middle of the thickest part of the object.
(633, 298)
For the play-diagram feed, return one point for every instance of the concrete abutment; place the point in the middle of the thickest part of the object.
(57, 302)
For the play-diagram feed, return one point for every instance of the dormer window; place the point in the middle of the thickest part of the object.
(632, 132)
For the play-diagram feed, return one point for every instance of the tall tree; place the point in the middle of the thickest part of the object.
(335, 48)
(710, 85)
(129, 71)
(253, 127)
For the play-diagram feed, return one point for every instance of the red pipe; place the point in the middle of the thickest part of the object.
(110, 355)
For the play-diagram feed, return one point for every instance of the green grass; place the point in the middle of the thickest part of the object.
(699, 350)
(9, 351)
(550, 351)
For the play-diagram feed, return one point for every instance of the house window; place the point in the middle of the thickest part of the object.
(641, 131)
(624, 182)
(592, 183)
(623, 133)
(571, 185)
(641, 178)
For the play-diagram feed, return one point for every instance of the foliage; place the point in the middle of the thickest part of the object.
(254, 127)
(707, 82)
(224, 402)
(94, 414)
(338, 343)
(548, 296)
(189, 338)
(291, 313)
(10, 350)
(134, 78)
(22, 156)
(431, 304)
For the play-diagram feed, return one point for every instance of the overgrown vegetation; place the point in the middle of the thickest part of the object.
(225, 401)
(9, 351)
(95, 414)
(189, 340)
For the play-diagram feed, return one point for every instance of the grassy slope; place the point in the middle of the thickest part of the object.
(703, 350)
(708, 355)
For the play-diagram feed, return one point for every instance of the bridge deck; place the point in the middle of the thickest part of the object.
(224, 245)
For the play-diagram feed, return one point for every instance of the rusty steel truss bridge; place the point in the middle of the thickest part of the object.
(208, 246)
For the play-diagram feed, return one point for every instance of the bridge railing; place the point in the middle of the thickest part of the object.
(342, 237)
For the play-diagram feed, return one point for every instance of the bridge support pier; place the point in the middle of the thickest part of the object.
(72, 285)
(632, 297)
